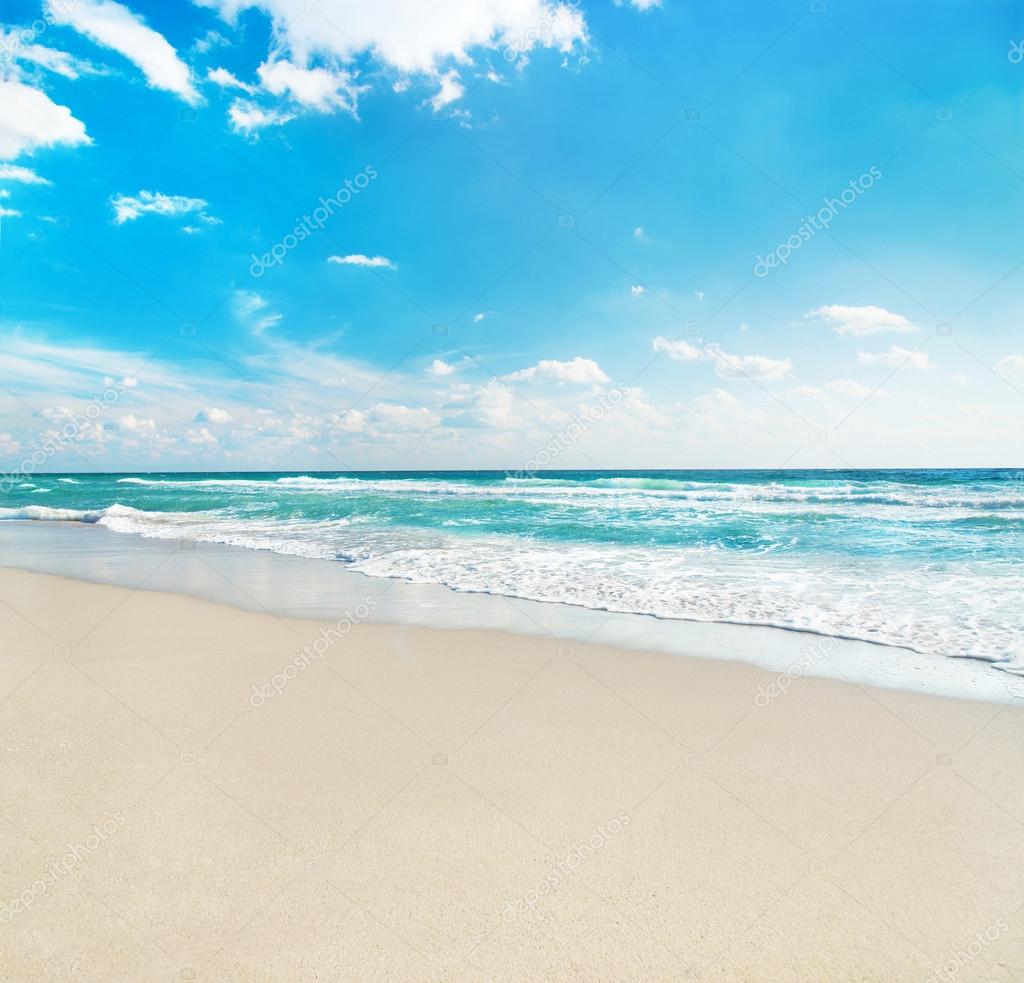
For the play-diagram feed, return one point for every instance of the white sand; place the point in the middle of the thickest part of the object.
(426, 805)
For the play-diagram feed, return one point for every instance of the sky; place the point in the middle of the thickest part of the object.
(512, 234)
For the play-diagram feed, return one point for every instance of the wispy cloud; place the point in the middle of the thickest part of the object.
(860, 321)
(128, 208)
(359, 259)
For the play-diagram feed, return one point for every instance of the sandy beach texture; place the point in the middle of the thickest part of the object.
(177, 804)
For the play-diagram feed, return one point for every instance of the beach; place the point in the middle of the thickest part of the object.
(194, 791)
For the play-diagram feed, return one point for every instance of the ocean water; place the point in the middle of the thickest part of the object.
(926, 560)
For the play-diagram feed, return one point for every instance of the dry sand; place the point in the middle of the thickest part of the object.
(427, 805)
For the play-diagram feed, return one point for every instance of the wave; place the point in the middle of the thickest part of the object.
(68, 481)
(40, 513)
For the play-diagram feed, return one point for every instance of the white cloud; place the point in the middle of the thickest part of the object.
(638, 232)
(59, 62)
(495, 406)
(727, 366)
(642, 5)
(213, 414)
(582, 371)
(313, 88)
(450, 90)
(412, 36)
(227, 80)
(860, 321)
(480, 315)
(395, 417)
(135, 425)
(30, 119)
(251, 309)
(637, 290)
(358, 259)
(847, 387)
(8, 445)
(747, 366)
(25, 175)
(114, 26)
(200, 436)
(127, 208)
(440, 367)
(246, 117)
(351, 421)
(677, 350)
(1011, 366)
(699, 294)
(9, 212)
(897, 357)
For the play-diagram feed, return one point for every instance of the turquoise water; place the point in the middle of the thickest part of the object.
(929, 560)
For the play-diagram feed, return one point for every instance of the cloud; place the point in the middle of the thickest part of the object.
(9, 212)
(638, 232)
(114, 26)
(847, 387)
(897, 357)
(642, 5)
(411, 36)
(127, 208)
(637, 290)
(397, 418)
(30, 119)
(25, 175)
(747, 366)
(251, 310)
(135, 425)
(727, 366)
(321, 89)
(1011, 366)
(246, 117)
(480, 315)
(451, 90)
(226, 80)
(860, 321)
(440, 367)
(582, 371)
(358, 259)
(677, 350)
(213, 414)
(59, 62)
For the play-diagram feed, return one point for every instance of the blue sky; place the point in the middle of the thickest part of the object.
(554, 240)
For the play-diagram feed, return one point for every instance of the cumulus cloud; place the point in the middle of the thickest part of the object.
(677, 349)
(582, 371)
(359, 259)
(247, 117)
(451, 90)
(133, 424)
(860, 321)
(637, 289)
(897, 357)
(227, 80)
(321, 89)
(847, 387)
(213, 414)
(440, 367)
(30, 120)
(411, 36)
(727, 366)
(395, 417)
(127, 208)
(1011, 366)
(114, 26)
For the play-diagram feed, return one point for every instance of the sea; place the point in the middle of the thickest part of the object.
(926, 560)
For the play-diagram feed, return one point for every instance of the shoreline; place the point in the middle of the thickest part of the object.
(315, 588)
(416, 804)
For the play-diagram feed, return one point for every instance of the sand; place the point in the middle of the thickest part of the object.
(423, 805)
